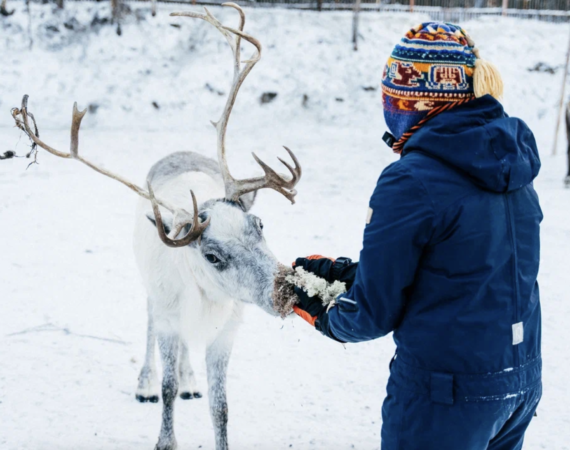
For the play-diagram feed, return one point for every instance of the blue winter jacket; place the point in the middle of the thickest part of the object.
(451, 251)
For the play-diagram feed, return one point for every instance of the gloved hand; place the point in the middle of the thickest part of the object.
(311, 309)
(308, 308)
(340, 269)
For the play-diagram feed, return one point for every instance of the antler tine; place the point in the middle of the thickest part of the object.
(194, 233)
(77, 117)
(237, 51)
(197, 227)
(296, 172)
(271, 180)
(23, 124)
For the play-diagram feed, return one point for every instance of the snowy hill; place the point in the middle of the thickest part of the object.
(72, 310)
(183, 65)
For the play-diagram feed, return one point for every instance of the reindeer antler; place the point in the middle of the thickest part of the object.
(236, 188)
(194, 233)
(182, 217)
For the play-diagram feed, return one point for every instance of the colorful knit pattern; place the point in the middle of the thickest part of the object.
(431, 66)
(399, 145)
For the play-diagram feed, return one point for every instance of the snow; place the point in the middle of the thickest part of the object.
(72, 309)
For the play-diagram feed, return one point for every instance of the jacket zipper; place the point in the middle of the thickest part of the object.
(514, 269)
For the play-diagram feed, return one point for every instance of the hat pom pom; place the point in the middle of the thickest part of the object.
(487, 79)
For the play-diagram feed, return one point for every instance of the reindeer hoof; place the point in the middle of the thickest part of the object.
(190, 395)
(144, 399)
(167, 447)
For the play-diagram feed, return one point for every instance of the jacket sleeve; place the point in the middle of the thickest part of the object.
(399, 227)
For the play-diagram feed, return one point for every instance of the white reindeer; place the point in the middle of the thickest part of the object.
(215, 259)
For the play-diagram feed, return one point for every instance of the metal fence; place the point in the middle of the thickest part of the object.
(443, 10)
(524, 5)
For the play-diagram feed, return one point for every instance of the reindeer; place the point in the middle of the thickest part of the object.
(199, 267)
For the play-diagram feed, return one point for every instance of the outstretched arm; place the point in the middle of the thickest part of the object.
(399, 228)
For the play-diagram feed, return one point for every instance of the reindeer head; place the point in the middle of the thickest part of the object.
(230, 258)
(233, 256)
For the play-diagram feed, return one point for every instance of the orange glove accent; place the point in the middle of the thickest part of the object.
(305, 315)
(320, 257)
(317, 257)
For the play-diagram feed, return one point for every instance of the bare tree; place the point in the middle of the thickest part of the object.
(567, 179)
(561, 101)
(29, 11)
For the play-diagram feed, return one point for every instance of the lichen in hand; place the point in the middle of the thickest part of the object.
(284, 297)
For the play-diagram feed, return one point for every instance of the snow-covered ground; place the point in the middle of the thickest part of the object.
(72, 309)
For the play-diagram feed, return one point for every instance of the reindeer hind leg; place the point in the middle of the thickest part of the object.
(188, 386)
(148, 387)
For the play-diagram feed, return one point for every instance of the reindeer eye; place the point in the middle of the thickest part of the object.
(260, 224)
(212, 258)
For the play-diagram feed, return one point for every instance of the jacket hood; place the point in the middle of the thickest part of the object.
(497, 152)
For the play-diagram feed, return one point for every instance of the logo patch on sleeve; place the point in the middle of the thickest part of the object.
(369, 215)
(518, 333)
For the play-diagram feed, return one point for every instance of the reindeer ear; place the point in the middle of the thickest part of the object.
(166, 220)
(248, 200)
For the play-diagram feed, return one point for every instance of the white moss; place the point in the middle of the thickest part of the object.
(316, 286)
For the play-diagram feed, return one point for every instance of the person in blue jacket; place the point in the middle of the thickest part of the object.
(450, 255)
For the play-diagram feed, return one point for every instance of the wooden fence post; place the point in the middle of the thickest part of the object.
(412, 4)
(355, 17)
(30, 31)
(116, 12)
(561, 104)
(505, 6)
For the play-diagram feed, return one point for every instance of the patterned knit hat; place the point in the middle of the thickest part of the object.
(434, 67)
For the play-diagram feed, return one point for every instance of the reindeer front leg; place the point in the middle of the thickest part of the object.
(169, 347)
(217, 358)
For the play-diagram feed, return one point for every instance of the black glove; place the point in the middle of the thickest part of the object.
(341, 269)
(312, 310)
